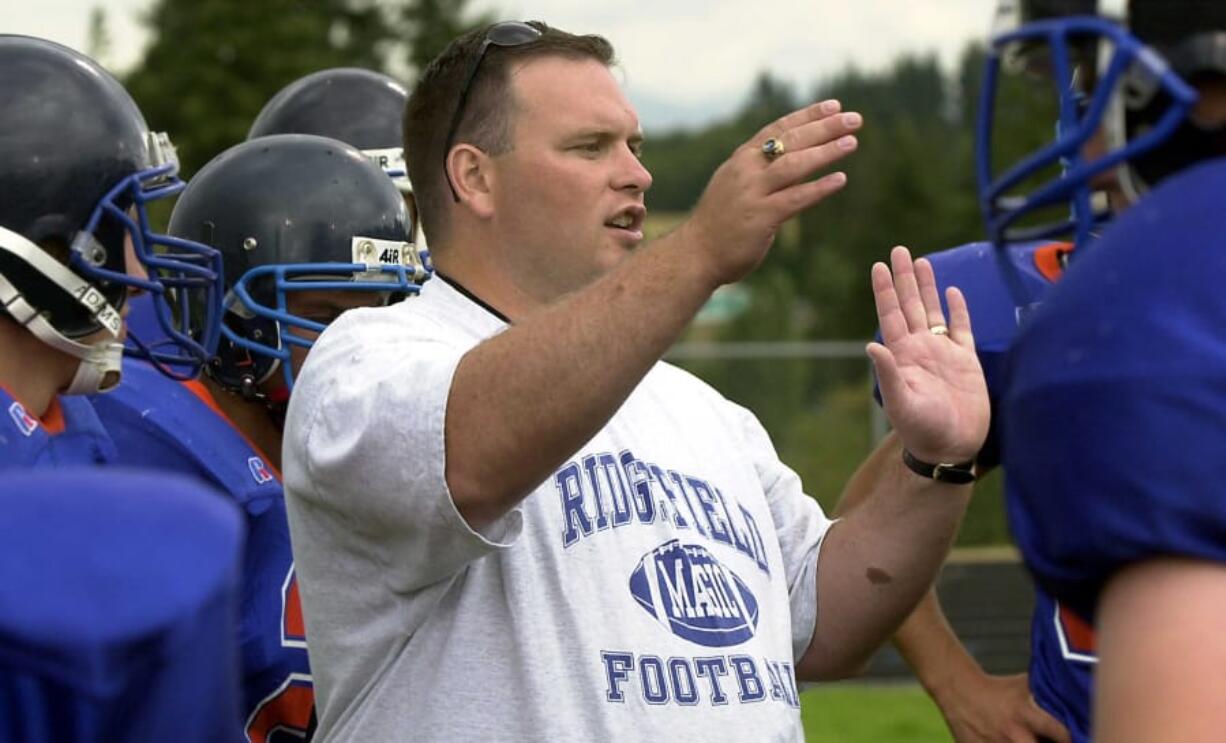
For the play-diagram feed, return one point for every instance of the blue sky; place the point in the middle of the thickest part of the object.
(685, 62)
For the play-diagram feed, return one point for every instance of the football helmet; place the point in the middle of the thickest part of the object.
(77, 167)
(1120, 70)
(360, 107)
(293, 213)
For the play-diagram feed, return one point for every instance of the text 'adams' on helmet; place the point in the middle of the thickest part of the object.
(78, 164)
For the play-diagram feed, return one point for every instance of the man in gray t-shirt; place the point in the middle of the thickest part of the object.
(513, 522)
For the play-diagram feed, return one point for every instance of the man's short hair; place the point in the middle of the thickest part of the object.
(487, 116)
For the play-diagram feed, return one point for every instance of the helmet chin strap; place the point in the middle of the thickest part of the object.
(99, 371)
(101, 362)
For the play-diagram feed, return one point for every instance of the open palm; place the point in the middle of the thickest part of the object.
(932, 387)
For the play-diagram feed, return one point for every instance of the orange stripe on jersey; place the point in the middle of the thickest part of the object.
(1049, 259)
(53, 419)
(1080, 634)
(197, 388)
(295, 626)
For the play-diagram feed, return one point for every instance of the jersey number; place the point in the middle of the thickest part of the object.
(288, 709)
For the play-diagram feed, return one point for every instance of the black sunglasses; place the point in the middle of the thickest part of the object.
(506, 34)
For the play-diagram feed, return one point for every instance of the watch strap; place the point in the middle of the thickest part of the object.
(960, 473)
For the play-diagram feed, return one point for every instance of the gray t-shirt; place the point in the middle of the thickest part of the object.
(658, 585)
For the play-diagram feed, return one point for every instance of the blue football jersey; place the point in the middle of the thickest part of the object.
(142, 324)
(1116, 398)
(118, 598)
(163, 424)
(1060, 670)
(69, 434)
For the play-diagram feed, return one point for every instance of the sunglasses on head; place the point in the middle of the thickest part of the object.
(506, 34)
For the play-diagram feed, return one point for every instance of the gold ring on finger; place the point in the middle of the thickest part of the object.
(939, 330)
(773, 149)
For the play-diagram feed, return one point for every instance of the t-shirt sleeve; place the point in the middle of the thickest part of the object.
(800, 525)
(364, 449)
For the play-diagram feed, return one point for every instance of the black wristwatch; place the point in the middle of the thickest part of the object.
(955, 474)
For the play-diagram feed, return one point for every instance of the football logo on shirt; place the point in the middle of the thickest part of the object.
(259, 470)
(694, 596)
(26, 423)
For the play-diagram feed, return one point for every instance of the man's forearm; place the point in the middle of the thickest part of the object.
(930, 647)
(867, 477)
(925, 639)
(1161, 668)
(524, 400)
(876, 563)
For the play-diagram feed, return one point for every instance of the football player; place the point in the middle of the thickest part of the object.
(1040, 213)
(118, 605)
(1114, 402)
(77, 167)
(97, 640)
(324, 102)
(308, 228)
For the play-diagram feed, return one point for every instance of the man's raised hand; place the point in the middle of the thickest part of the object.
(932, 386)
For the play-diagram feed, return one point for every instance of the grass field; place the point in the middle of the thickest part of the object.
(871, 713)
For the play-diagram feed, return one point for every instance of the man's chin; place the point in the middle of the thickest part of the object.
(613, 257)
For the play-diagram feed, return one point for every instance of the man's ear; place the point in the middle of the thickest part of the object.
(472, 173)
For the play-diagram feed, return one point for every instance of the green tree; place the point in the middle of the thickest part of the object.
(769, 99)
(211, 66)
(682, 161)
(98, 38)
(429, 25)
(911, 182)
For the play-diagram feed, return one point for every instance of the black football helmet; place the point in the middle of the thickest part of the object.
(359, 107)
(77, 166)
(293, 212)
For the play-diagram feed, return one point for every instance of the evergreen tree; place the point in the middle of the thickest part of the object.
(429, 25)
(98, 39)
(212, 66)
